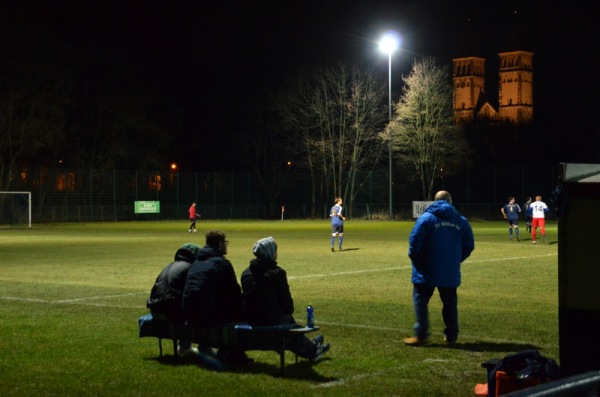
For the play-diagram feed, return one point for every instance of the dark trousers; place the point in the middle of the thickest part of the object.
(421, 295)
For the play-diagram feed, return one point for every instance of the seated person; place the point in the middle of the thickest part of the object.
(212, 295)
(166, 294)
(268, 300)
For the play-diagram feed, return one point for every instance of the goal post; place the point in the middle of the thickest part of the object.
(15, 208)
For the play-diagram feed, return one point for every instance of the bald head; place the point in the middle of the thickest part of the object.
(443, 195)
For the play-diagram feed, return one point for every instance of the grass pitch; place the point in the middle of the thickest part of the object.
(70, 297)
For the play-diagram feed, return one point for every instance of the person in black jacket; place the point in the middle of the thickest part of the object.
(268, 301)
(166, 294)
(212, 295)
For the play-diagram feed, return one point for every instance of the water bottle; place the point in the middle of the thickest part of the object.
(310, 317)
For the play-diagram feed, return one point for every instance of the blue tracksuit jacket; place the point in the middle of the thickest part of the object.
(440, 240)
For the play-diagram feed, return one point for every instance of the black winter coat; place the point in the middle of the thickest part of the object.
(267, 297)
(212, 295)
(165, 296)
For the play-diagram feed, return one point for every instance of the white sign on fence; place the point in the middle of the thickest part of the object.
(419, 207)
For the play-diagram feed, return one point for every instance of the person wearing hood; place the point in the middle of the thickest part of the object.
(268, 301)
(166, 294)
(439, 242)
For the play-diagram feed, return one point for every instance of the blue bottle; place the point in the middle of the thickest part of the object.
(310, 317)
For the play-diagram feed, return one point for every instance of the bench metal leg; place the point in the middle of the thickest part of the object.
(160, 349)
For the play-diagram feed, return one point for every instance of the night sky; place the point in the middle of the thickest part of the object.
(214, 64)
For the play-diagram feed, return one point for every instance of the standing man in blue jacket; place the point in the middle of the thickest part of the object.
(439, 242)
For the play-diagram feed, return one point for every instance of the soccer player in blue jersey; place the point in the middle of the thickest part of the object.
(527, 214)
(337, 223)
(510, 211)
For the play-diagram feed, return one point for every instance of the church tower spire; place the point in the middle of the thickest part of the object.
(515, 91)
(469, 84)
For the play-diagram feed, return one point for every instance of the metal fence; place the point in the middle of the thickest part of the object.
(80, 195)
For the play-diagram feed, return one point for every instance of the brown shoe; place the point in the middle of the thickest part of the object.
(414, 341)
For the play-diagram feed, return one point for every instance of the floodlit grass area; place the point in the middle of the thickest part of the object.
(70, 297)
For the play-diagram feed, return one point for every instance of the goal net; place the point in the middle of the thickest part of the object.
(15, 209)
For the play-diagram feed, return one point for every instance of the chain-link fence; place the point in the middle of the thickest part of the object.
(78, 195)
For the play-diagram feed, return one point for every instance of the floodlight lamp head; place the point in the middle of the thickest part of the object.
(389, 42)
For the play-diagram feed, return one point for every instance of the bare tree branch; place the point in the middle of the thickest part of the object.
(424, 135)
(337, 114)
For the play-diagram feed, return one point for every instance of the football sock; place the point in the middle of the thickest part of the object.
(340, 241)
(332, 240)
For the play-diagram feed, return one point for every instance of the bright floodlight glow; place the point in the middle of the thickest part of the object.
(389, 42)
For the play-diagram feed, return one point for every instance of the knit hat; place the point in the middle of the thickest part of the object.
(194, 248)
(265, 248)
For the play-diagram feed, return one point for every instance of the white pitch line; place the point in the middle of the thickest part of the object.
(98, 297)
(408, 267)
(349, 272)
(360, 377)
(511, 258)
(14, 298)
(98, 305)
(362, 326)
(77, 300)
(409, 330)
(81, 302)
(343, 381)
(333, 324)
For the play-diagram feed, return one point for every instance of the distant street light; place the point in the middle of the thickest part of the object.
(388, 44)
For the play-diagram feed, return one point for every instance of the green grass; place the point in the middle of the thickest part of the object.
(70, 297)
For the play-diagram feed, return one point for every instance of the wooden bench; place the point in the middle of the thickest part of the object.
(239, 336)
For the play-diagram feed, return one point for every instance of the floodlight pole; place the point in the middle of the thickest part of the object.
(389, 127)
(389, 44)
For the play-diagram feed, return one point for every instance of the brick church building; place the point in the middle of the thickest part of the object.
(515, 89)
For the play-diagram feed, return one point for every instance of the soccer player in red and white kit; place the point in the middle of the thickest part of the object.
(538, 217)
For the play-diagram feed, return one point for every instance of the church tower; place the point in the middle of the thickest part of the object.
(515, 91)
(469, 83)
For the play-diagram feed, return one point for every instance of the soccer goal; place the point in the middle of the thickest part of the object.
(15, 209)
